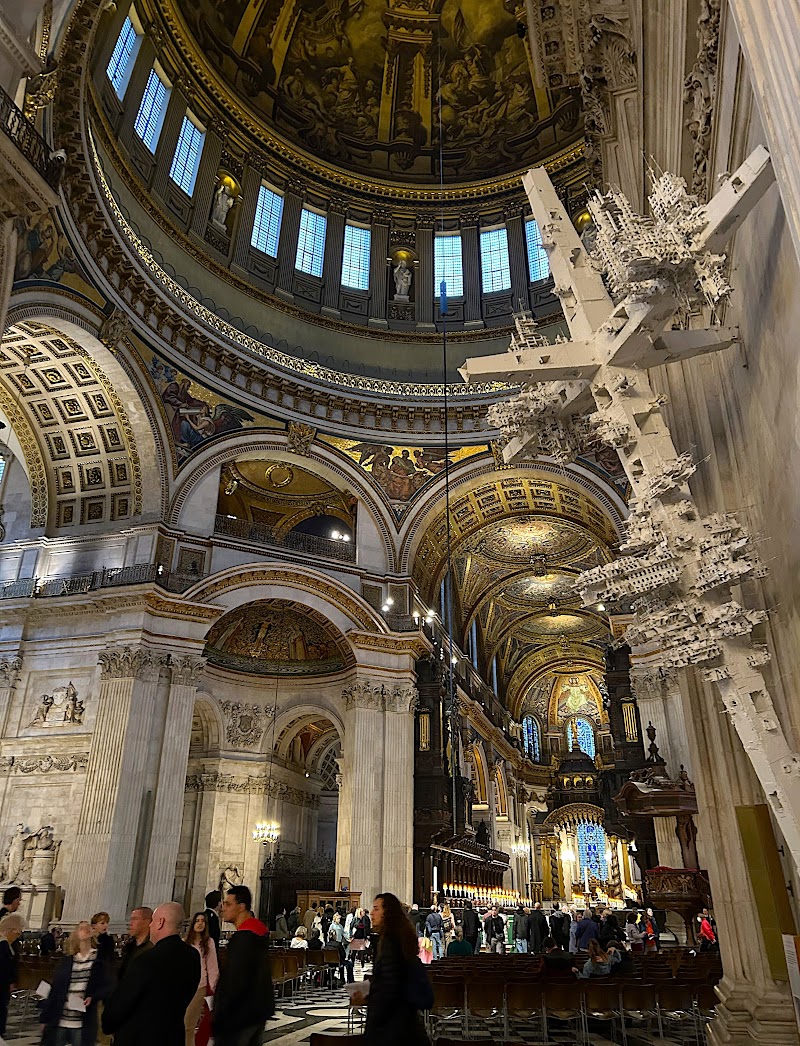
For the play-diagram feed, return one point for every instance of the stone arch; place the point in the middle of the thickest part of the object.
(334, 466)
(501, 792)
(480, 476)
(239, 585)
(477, 759)
(207, 727)
(577, 657)
(88, 420)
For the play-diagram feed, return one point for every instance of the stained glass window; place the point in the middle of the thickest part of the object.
(448, 265)
(495, 267)
(355, 258)
(538, 262)
(123, 58)
(311, 243)
(592, 849)
(581, 736)
(531, 738)
(186, 161)
(150, 118)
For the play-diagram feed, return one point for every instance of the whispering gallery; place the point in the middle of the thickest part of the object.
(398, 474)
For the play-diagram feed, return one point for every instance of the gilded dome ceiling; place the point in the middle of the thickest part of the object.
(357, 83)
(553, 587)
(511, 541)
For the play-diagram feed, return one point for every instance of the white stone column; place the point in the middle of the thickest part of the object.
(364, 758)
(756, 1008)
(9, 674)
(168, 809)
(669, 849)
(343, 819)
(398, 792)
(109, 822)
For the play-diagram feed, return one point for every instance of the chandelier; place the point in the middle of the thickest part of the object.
(267, 832)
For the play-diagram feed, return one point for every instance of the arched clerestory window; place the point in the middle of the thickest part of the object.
(592, 845)
(532, 738)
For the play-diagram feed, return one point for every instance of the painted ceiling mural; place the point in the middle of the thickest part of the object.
(358, 82)
(272, 637)
(400, 471)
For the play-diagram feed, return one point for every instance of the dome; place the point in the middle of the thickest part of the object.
(363, 85)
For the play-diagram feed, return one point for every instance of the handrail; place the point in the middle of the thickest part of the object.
(30, 143)
(259, 534)
(108, 577)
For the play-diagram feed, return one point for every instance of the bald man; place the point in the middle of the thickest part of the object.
(148, 1007)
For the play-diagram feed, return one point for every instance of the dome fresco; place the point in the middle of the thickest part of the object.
(357, 83)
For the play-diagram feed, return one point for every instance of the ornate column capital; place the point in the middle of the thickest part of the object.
(186, 671)
(9, 671)
(402, 699)
(363, 695)
(129, 663)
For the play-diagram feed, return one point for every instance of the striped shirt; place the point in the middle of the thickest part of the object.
(78, 982)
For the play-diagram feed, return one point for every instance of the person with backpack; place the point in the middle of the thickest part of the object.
(434, 929)
(399, 989)
(244, 998)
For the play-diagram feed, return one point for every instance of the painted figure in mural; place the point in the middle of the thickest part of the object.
(403, 276)
(192, 420)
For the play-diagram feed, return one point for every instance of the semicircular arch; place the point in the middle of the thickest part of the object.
(577, 657)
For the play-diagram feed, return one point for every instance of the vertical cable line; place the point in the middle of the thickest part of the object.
(448, 577)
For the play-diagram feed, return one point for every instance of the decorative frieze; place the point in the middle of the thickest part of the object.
(250, 785)
(244, 723)
(380, 698)
(44, 764)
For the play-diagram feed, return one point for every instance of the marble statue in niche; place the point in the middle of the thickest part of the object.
(223, 201)
(403, 276)
(61, 708)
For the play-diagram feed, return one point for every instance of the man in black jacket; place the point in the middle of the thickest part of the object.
(559, 926)
(494, 930)
(520, 930)
(244, 998)
(149, 1004)
(471, 924)
(538, 929)
(434, 927)
(212, 916)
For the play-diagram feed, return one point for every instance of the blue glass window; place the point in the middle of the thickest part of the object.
(581, 736)
(538, 262)
(267, 225)
(592, 849)
(311, 243)
(531, 738)
(150, 118)
(495, 267)
(448, 265)
(355, 258)
(123, 58)
(186, 161)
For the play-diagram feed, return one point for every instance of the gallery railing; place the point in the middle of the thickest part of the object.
(113, 577)
(30, 143)
(259, 534)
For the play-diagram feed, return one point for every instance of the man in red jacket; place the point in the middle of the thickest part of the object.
(244, 998)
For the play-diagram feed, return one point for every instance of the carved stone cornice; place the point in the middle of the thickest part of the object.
(186, 671)
(414, 643)
(9, 671)
(261, 785)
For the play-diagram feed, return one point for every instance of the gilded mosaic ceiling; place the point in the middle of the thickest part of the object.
(274, 637)
(360, 83)
(526, 537)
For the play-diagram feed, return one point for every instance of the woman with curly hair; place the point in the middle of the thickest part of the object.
(80, 981)
(399, 988)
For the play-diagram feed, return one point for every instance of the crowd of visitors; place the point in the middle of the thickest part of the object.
(173, 989)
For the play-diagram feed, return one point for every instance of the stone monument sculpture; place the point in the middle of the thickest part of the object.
(403, 276)
(29, 862)
(223, 201)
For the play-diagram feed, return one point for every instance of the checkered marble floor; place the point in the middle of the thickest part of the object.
(312, 1009)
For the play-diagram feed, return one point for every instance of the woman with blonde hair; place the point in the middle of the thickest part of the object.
(11, 929)
(80, 981)
(198, 936)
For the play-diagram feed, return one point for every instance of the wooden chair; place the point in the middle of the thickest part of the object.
(564, 1003)
(524, 1004)
(485, 1001)
(448, 1003)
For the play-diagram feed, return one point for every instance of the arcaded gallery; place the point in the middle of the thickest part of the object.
(399, 495)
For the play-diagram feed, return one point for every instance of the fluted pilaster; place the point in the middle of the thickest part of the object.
(251, 186)
(518, 260)
(170, 132)
(378, 269)
(113, 799)
(136, 86)
(168, 808)
(332, 264)
(9, 674)
(287, 245)
(425, 290)
(471, 262)
(206, 181)
(397, 851)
